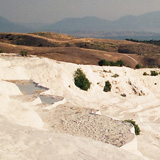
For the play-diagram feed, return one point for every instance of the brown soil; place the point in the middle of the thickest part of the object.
(80, 50)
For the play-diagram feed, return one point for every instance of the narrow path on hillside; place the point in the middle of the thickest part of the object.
(131, 58)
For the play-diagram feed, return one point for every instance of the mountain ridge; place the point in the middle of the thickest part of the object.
(8, 26)
(148, 22)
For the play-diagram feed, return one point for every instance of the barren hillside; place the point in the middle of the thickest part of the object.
(80, 50)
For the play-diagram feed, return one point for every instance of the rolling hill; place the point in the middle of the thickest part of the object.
(67, 48)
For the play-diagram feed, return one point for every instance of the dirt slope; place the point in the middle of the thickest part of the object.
(80, 50)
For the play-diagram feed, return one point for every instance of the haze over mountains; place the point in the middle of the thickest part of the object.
(149, 22)
(8, 26)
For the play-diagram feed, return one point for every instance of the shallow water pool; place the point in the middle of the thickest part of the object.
(31, 88)
(47, 99)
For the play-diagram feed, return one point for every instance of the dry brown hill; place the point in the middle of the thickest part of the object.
(54, 36)
(80, 50)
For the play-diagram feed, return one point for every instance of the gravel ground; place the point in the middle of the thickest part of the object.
(84, 122)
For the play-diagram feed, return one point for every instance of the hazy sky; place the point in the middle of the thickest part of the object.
(49, 11)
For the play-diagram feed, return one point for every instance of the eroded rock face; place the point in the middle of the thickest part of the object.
(84, 122)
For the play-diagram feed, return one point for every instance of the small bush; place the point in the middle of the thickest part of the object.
(120, 63)
(145, 74)
(138, 66)
(154, 73)
(24, 53)
(67, 44)
(80, 80)
(123, 95)
(1, 51)
(115, 75)
(103, 62)
(40, 45)
(136, 127)
(111, 63)
(107, 86)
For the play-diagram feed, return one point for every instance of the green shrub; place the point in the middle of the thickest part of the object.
(154, 73)
(136, 127)
(67, 44)
(107, 86)
(145, 74)
(138, 66)
(1, 51)
(103, 62)
(120, 63)
(80, 80)
(115, 75)
(24, 53)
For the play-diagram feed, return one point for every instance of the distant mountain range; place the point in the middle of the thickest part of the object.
(149, 22)
(8, 26)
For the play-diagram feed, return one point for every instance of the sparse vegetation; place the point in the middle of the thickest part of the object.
(138, 66)
(123, 95)
(24, 53)
(103, 62)
(136, 127)
(155, 42)
(124, 49)
(120, 63)
(29, 40)
(51, 35)
(151, 61)
(148, 54)
(154, 73)
(115, 75)
(67, 44)
(47, 43)
(81, 81)
(107, 86)
(94, 45)
(145, 74)
(1, 51)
